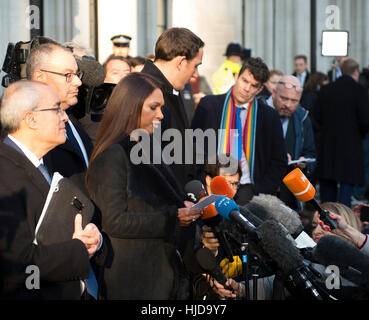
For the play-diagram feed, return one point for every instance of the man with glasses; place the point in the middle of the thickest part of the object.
(252, 126)
(297, 130)
(56, 66)
(34, 124)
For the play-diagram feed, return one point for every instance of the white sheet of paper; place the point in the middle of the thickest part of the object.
(204, 203)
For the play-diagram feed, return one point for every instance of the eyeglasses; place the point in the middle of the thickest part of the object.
(290, 86)
(69, 76)
(58, 110)
(234, 185)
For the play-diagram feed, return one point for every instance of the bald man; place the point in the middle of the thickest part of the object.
(34, 121)
(296, 124)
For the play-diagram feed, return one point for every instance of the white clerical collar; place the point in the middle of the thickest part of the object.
(175, 92)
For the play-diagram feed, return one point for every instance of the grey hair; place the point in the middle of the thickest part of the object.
(39, 56)
(19, 98)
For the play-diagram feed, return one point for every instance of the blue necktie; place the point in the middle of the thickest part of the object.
(91, 283)
(238, 126)
(45, 173)
(73, 141)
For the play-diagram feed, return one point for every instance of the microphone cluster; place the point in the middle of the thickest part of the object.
(276, 237)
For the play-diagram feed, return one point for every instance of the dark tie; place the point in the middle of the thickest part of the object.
(44, 172)
(73, 141)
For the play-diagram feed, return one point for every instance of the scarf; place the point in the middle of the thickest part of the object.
(231, 126)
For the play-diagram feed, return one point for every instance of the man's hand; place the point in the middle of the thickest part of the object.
(209, 240)
(90, 235)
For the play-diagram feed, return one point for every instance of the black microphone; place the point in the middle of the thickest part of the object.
(287, 217)
(93, 71)
(208, 263)
(352, 263)
(228, 209)
(287, 258)
(195, 190)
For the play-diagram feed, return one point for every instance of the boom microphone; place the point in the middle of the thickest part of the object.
(304, 191)
(287, 217)
(352, 263)
(228, 209)
(286, 256)
(93, 71)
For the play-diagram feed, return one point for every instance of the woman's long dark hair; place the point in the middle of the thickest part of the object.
(123, 111)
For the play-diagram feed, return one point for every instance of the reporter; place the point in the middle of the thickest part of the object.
(349, 228)
(141, 203)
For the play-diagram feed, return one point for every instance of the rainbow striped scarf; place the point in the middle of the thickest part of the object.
(230, 140)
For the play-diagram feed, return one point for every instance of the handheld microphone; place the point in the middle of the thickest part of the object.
(304, 191)
(208, 263)
(287, 217)
(228, 209)
(219, 185)
(195, 190)
(212, 219)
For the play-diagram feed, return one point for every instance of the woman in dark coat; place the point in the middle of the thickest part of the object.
(142, 207)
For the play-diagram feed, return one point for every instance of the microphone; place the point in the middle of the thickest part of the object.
(287, 257)
(212, 219)
(287, 217)
(208, 263)
(228, 209)
(352, 263)
(304, 191)
(93, 71)
(194, 191)
(219, 185)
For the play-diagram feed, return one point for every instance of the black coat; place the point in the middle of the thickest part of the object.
(23, 191)
(175, 117)
(270, 150)
(65, 160)
(342, 116)
(138, 205)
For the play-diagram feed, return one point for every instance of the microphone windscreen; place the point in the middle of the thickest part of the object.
(208, 262)
(280, 212)
(195, 190)
(93, 72)
(209, 212)
(332, 250)
(276, 244)
(219, 185)
(247, 212)
(225, 206)
(299, 185)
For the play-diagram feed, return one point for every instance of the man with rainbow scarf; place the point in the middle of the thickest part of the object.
(247, 129)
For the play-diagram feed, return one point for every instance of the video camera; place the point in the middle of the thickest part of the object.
(93, 93)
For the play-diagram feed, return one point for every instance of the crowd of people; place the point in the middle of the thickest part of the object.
(145, 238)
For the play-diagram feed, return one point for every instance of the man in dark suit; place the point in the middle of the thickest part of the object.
(301, 69)
(297, 131)
(34, 122)
(56, 66)
(178, 53)
(342, 116)
(262, 172)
